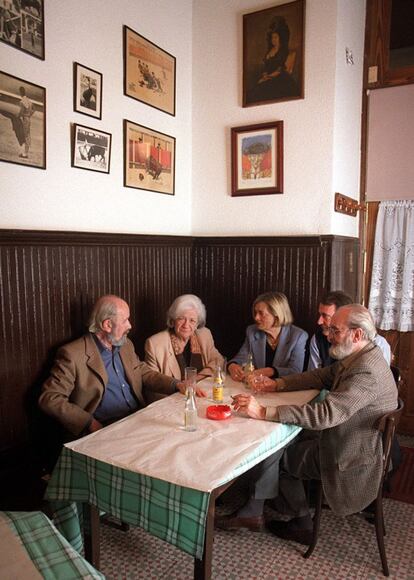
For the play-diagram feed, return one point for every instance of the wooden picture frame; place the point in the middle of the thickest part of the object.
(149, 72)
(22, 26)
(22, 122)
(257, 159)
(87, 91)
(273, 54)
(149, 159)
(91, 148)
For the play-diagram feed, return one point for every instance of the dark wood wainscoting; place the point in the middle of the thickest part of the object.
(230, 272)
(49, 281)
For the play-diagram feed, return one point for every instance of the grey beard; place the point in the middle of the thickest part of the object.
(340, 351)
(120, 342)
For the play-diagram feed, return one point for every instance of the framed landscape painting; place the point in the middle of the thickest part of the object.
(149, 72)
(149, 159)
(91, 149)
(257, 159)
(87, 91)
(273, 54)
(22, 25)
(22, 122)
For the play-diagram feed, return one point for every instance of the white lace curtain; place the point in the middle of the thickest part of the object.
(391, 299)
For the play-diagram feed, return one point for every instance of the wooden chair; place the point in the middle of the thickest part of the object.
(387, 425)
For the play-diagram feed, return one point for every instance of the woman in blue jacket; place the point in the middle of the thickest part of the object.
(277, 346)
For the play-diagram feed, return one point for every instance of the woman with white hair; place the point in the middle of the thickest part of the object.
(185, 343)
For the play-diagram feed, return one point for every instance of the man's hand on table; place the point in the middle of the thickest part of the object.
(260, 383)
(94, 425)
(199, 391)
(248, 404)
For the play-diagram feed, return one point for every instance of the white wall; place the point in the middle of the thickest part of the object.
(321, 150)
(66, 198)
(310, 125)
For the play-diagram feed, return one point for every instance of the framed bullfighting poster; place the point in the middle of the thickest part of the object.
(91, 149)
(87, 91)
(22, 25)
(22, 122)
(149, 72)
(149, 159)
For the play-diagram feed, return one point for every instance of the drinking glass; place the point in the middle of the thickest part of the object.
(257, 384)
(190, 374)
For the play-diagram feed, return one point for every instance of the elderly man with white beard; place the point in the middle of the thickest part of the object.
(347, 457)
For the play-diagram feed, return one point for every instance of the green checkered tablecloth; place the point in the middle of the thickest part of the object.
(171, 512)
(49, 551)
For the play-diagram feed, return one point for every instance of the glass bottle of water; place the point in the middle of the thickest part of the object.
(248, 367)
(190, 410)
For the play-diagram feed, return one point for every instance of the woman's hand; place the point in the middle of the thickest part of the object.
(236, 372)
(247, 404)
(260, 383)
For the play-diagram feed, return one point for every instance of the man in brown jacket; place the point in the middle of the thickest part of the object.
(98, 378)
(347, 457)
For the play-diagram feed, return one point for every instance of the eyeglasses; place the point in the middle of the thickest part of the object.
(191, 321)
(338, 331)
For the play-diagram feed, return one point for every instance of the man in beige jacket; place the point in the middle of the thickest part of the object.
(98, 378)
(347, 457)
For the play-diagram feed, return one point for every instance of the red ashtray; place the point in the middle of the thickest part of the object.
(218, 412)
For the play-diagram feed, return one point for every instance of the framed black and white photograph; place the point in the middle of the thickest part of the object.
(22, 25)
(91, 149)
(87, 91)
(22, 122)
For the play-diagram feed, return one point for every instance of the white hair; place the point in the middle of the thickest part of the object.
(183, 303)
(360, 317)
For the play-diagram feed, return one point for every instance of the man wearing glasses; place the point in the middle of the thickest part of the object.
(347, 457)
(319, 345)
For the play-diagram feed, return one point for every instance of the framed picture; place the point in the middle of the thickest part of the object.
(87, 91)
(22, 122)
(91, 149)
(149, 72)
(149, 159)
(257, 159)
(273, 54)
(22, 25)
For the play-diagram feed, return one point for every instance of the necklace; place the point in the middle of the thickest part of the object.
(272, 341)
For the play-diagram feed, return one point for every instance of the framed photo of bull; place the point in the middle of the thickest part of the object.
(22, 25)
(257, 159)
(149, 159)
(149, 72)
(22, 122)
(91, 149)
(87, 91)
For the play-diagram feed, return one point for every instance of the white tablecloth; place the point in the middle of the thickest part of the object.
(153, 442)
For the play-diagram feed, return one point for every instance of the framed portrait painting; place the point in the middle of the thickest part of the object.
(87, 91)
(22, 122)
(149, 159)
(149, 72)
(273, 54)
(257, 159)
(22, 25)
(91, 149)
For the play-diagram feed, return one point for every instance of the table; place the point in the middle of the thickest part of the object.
(31, 547)
(148, 471)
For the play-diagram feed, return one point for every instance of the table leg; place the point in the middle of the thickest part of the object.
(202, 568)
(92, 534)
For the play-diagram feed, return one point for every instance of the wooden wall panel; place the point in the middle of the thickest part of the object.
(230, 272)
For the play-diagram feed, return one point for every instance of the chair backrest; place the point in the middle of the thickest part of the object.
(397, 376)
(387, 425)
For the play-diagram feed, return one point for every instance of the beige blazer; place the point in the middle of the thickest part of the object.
(159, 354)
(78, 378)
(361, 389)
